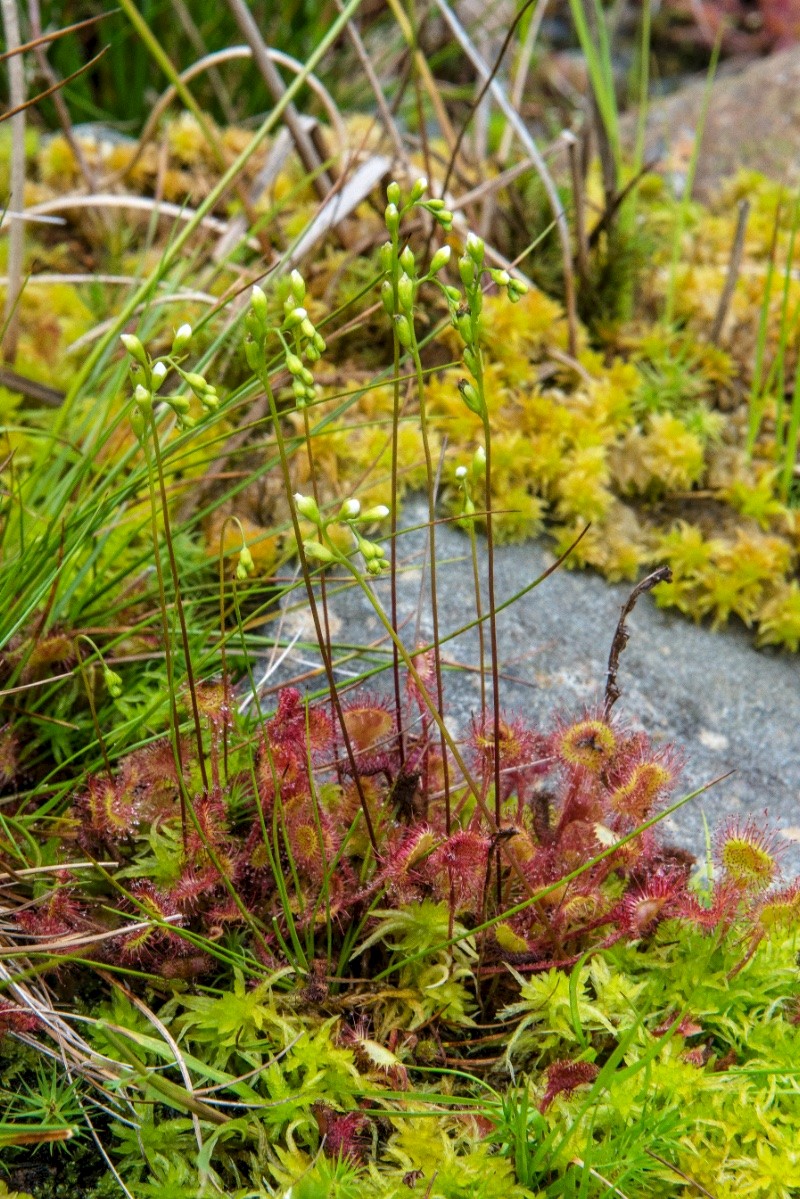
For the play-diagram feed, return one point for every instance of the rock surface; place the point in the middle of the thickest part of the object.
(728, 706)
(753, 122)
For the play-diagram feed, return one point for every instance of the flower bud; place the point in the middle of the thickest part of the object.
(159, 373)
(464, 326)
(419, 189)
(471, 360)
(468, 508)
(516, 289)
(198, 383)
(440, 259)
(246, 565)
(375, 566)
(210, 400)
(379, 512)
(466, 269)
(367, 548)
(182, 339)
(138, 423)
(408, 261)
(293, 364)
(404, 331)
(479, 462)
(113, 682)
(299, 390)
(179, 404)
(307, 329)
(306, 505)
(470, 396)
(254, 354)
(387, 297)
(258, 303)
(501, 278)
(453, 295)
(320, 553)
(405, 292)
(298, 286)
(385, 255)
(350, 509)
(319, 344)
(434, 205)
(135, 349)
(461, 472)
(185, 421)
(312, 353)
(392, 218)
(295, 317)
(475, 249)
(143, 397)
(393, 194)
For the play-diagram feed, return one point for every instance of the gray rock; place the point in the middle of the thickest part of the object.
(727, 706)
(753, 122)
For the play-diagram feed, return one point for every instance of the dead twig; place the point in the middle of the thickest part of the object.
(662, 575)
(16, 246)
(306, 149)
(732, 276)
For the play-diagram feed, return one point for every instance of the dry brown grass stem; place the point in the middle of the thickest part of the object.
(210, 62)
(16, 202)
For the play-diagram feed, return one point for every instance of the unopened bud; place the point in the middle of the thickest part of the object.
(440, 259)
(466, 269)
(135, 349)
(407, 261)
(404, 331)
(306, 505)
(298, 286)
(470, 396)
(379, 512)
(258, 302)
(419, 189)
(182, 339)
(475, 249)
(393, 194)
(405, 292)
(293, 364)
(159, 373)
(138, 422)
(246, 565)
(392, 218)
(295, 317)
(350, 509)
(387, 297)
(142, 396)
(113, 682)
(479, 462)
(461, 472)
(320, 553)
